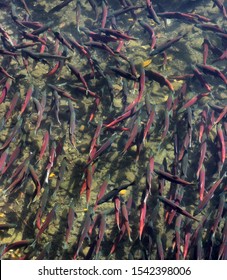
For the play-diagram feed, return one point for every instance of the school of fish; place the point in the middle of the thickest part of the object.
(113, 129)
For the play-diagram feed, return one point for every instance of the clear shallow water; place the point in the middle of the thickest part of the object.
(21, 207)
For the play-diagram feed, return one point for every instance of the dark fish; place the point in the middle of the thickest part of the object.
(45, 252)
(149, 175)
(116, 33)
(10, 53)
(43, 28)
(217, 219)
(189, 125)
(62, 92)
(158, 77)
(41, 56)
(94, 7)
(56, 105)
(72, 123)
(89, 172)
(201, 79)
(31, 24)
(77, 73)
(172, 178)
(6, 226)
(212, 27)
(178, 236)
(84, 232)
(61, 174)
(59, 6)
(35, 179)
(166, 126)
(4, 72)
(216, 108)
(42, 205)
(26, 45)
(100, 46)
(176, 207)
(167, 45)
(62, 39)
(160, 249)
(124, 10)
(14, 15)
(39, 113)
(142, 82)
(123, 73)
(33, 37)
(222, 253)
(113, 193)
